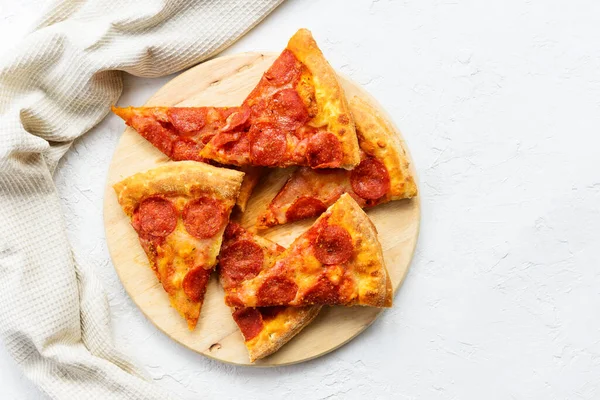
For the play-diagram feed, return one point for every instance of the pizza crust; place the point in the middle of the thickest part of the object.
(379, 139)
(251, 178)
(179, 178)
(366, 269)
(267, 343)
(330, 96)
(375, 286)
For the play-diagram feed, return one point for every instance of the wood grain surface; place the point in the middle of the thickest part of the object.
(226, 81)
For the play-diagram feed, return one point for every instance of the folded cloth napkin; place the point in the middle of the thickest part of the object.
(54, 87)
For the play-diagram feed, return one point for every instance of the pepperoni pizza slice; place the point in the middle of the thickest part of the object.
(338, 261)
(298, 116)
(179, 211)
(265, 329)
(383, 175)
(181, 132)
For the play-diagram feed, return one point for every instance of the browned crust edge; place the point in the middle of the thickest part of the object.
(378, 138)
(383, 297)
(179, 178)
(330, 95)
(299, 322)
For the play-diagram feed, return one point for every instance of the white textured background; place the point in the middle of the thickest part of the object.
(500, 105)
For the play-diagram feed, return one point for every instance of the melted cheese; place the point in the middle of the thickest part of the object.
(364, 275)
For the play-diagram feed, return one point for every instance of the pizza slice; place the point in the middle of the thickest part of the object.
(181, 132)
(338, 260)
(179, 211)
(298, 116)
(265, 329)
(383, 175)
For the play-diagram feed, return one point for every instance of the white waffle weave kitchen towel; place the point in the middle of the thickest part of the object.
(54, 87)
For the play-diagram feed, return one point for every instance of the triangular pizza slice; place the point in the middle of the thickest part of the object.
(265, 329)
(298, 116)
(179, 211)
(181, 132)
(338, 260)
(383, 175)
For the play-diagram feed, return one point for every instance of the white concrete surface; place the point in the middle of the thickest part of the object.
(500, 105)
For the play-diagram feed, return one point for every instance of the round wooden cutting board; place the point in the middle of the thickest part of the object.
(227, 81)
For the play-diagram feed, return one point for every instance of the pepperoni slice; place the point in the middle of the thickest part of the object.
(370, 179)
(323, 292)
(233, 231)
(203, 217)
(249, 320)
(186, 150)
(206, 137)
(224, 139)
(324, 151)
(333, 245)
(285, 69)
(161, 137)
(269, 313)
(187, 119)
(194, 283)
(267, 145)
(155, 217)
(237, 119)
(242, 260)
(289, 109)
(305, 207)
(223, 113)
(240, 149)
(276, 290)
